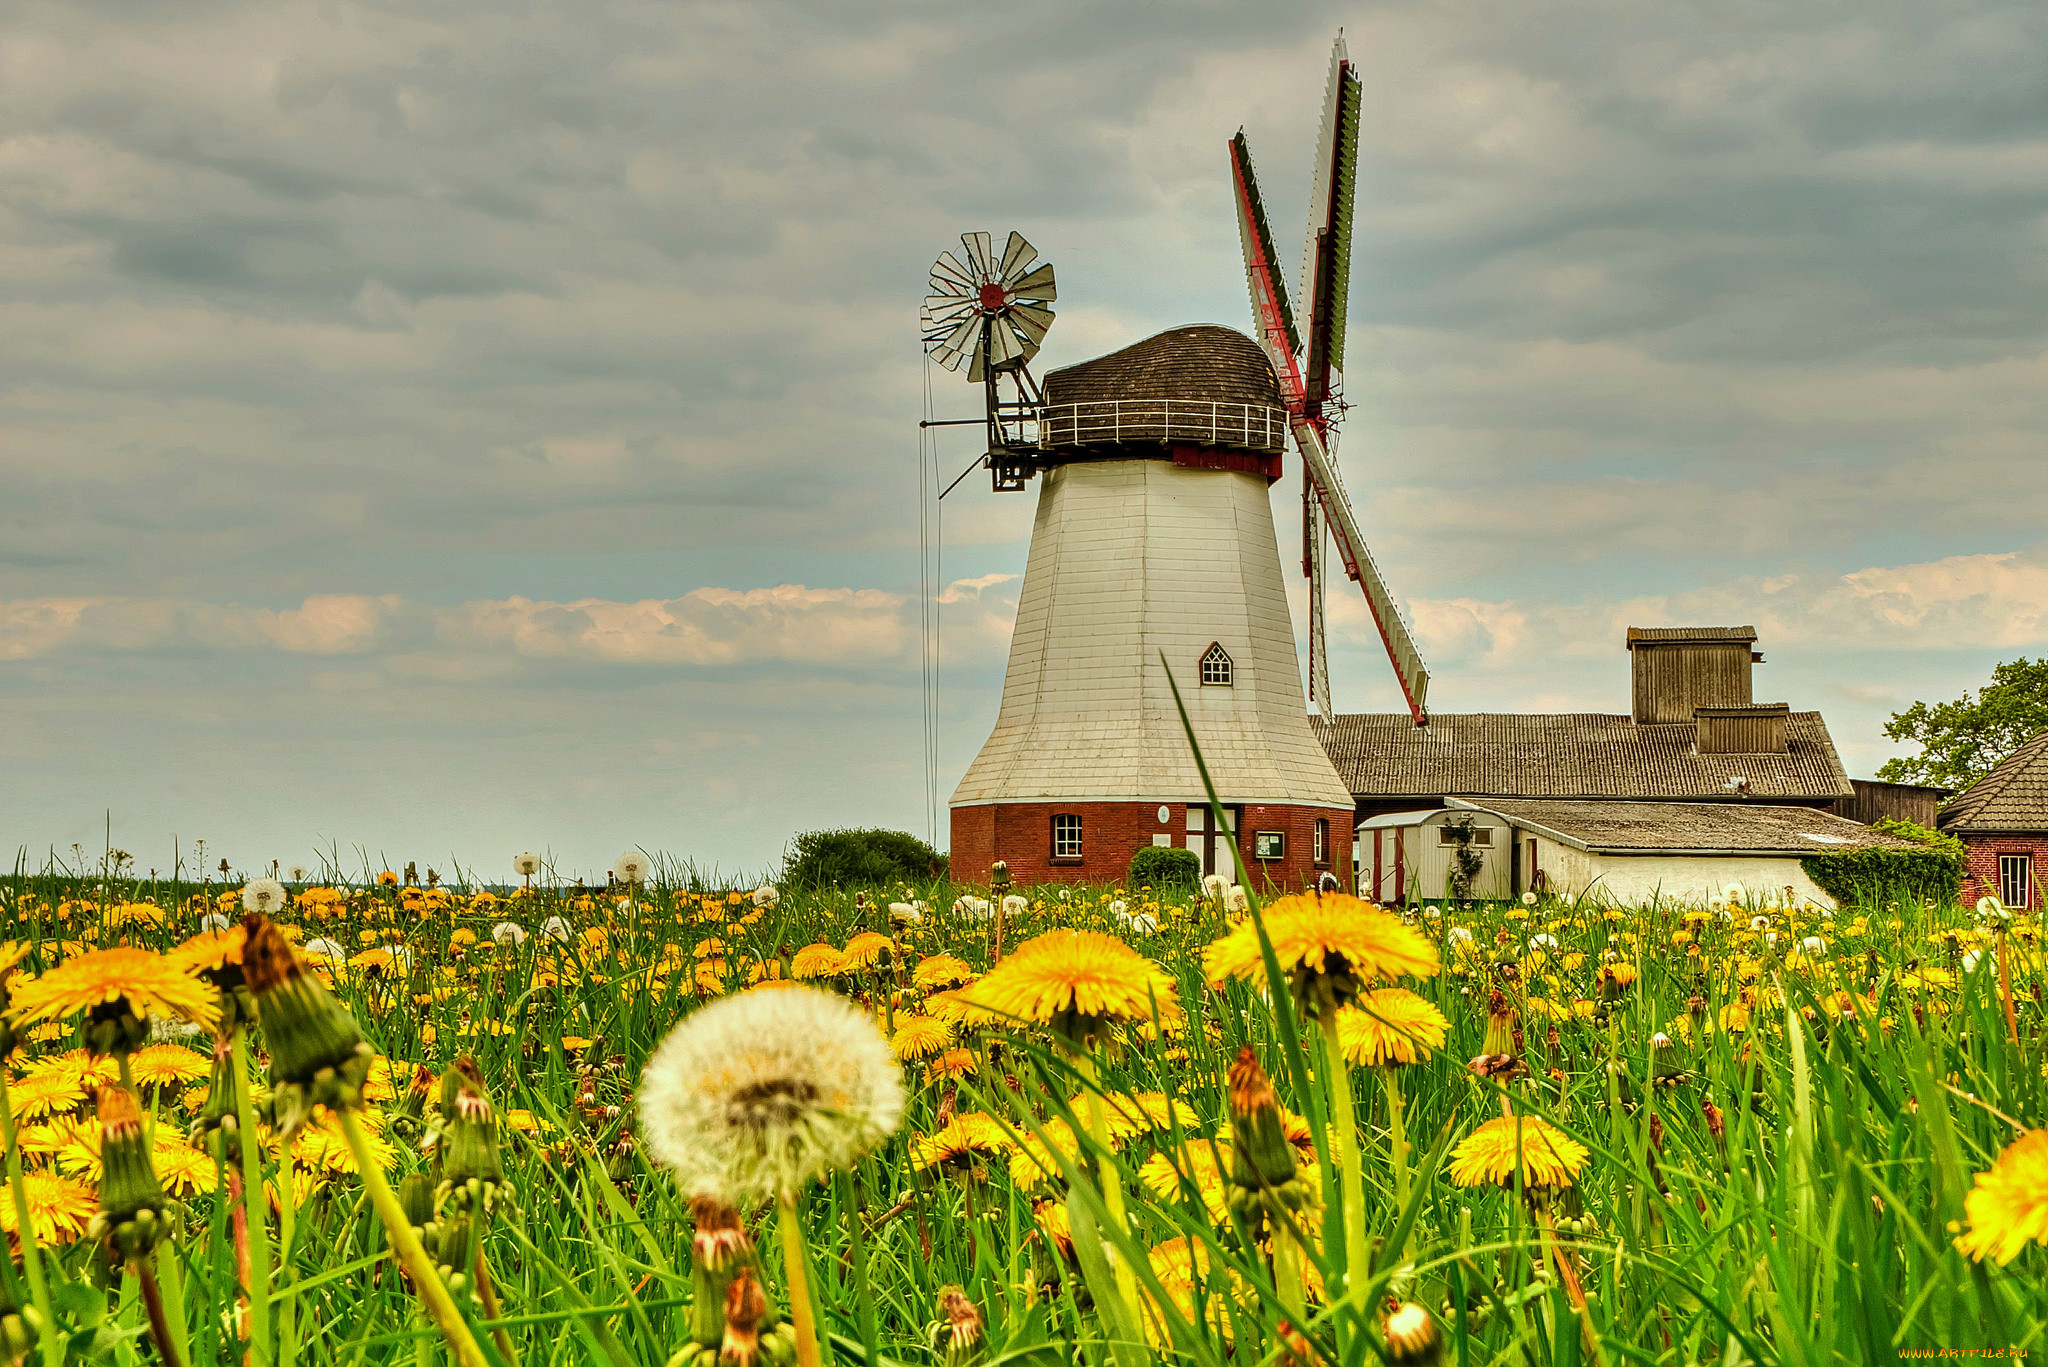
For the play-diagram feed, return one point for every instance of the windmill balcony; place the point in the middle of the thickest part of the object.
(1111, 422)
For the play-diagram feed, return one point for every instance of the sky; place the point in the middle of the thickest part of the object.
(430, 431)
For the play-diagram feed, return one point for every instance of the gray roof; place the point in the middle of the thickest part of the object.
(1576, 754)
(1654, 635)
(2012, 797)
(1684, 827)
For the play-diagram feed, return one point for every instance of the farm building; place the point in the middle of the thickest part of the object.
(2003, 819)
(1693, 734)
(1626, 852)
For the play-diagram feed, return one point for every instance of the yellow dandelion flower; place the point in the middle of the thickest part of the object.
(919, 1037)
(321, 1146)
(1076, 981)
(817, 961)
(149, 983)
(942, 970)
(2009, 1205)
(1390, 1025)
(78, 1065)
(963, 1142)
(1336, 945)
(1054, 1227)
(1199, 1162)
(160, 1065)
(1548, 1156)
(1032, 1161)
(210, 951)
(46, 1092)
(952, 1063)
(59, 1208)
(867, 948)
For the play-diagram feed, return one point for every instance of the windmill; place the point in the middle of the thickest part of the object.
(989, 313)
(1154, 564)
(1306, 346)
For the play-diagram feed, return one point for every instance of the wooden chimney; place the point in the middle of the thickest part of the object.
(1674, 670)
(1749, 729)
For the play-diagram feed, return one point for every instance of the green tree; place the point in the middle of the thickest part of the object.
(1959, 741)
(859, 858)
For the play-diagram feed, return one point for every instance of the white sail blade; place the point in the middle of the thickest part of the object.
(1358, 563)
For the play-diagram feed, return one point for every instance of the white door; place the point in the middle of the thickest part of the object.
(1214, 846)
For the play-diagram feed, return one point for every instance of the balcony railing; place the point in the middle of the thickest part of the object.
(1244, 426)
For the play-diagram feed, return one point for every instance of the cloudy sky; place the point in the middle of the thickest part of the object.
(439, 429)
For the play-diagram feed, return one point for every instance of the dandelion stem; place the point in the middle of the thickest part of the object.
(1112, 1187)
(24, 1224)
(1344, 1139)
(1397, 1136)
(406, 1245)
(1287, 1278)
(488, 1294)
(2012, 1024)
(1570, 1277)
(159, 1322)
(801, 1309)
(287, 1307)
(258, 1219)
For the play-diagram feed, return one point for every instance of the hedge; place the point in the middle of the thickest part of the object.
(1872, 875)
(1160, 867)
(859, 858)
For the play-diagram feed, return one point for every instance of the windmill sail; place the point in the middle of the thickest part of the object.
(1308, 360)
(1326, 261)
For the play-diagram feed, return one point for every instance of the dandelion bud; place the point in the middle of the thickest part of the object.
(318, 1055)
(1264, 1158)
(1413, 1339)
(999, 876)
(959, 1336)
(130, 1195)
(221, 1112)
(746, 1305)
(1501, 1019)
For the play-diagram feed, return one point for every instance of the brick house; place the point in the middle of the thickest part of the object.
(2003, 819)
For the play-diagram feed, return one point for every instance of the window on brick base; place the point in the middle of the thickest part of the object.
(1322, 840)
(2016, 880)
(1066, 836)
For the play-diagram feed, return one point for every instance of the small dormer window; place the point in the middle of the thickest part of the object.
(1216, 667)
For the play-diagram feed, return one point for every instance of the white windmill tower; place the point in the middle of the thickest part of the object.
(1153, 538)
(1306, 347)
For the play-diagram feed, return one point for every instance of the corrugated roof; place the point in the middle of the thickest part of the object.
(1202, 362)
(1484, 754)
(1674, 827)
(2012, 797)
(1652, 635)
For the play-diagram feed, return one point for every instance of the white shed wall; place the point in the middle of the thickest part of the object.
(1633, 880)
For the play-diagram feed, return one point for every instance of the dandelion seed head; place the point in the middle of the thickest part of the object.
(264, 895)
(761, 1093)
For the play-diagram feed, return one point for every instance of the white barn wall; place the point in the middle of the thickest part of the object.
(1635, 879)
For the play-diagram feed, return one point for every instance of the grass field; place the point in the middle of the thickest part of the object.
(1769, 1128)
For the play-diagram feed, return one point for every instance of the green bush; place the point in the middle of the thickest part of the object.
(1934, 869)
(1161, 867)
(858, 858)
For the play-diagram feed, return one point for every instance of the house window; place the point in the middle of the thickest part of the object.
(1066, 836)
(1482, 836)
(1216, 666)
(1322, 840)
(2016, 880)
